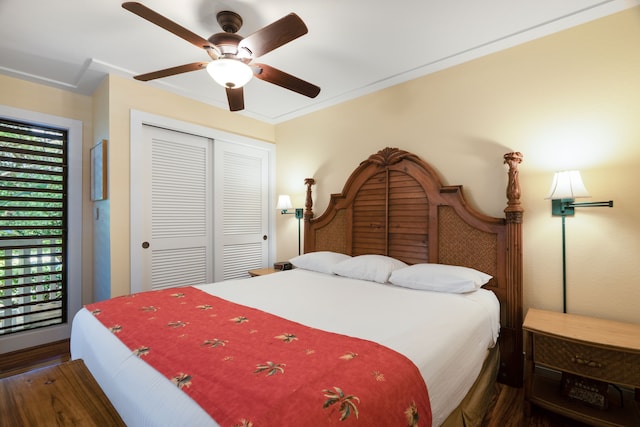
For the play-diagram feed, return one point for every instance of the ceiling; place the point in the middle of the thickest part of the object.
(352, 47)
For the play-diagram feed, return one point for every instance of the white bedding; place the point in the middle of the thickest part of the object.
(445, 335)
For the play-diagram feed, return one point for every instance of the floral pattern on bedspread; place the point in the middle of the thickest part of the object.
(246, 367)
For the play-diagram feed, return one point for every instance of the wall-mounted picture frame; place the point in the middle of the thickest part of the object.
(99, 171)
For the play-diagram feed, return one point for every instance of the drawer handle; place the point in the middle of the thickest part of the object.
(580, 360)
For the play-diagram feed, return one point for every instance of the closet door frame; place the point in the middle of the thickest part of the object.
(140, 118)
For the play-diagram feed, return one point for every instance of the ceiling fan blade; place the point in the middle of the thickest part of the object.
(287, 81)
(155, 18)
(274, 35)
(194, 66)
(235, 98)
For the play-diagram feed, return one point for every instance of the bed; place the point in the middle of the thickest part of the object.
(358, 297)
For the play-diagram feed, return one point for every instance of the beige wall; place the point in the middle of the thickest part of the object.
(566, 101)
(101, 283)
(42, 99)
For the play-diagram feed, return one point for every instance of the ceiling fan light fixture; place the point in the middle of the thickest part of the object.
(231, 53)
(230, 73)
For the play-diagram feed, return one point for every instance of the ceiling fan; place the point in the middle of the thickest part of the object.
(232, 55)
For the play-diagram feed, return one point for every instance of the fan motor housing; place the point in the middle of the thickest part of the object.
(227, 43)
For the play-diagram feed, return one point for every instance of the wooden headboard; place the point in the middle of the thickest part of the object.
(394, 204)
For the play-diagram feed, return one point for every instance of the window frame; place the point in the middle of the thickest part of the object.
(40, 336)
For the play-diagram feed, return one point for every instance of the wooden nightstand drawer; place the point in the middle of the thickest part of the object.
(607, 365)
(603, 350)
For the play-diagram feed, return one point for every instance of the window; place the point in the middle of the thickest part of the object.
(74, 255)
(33, 226)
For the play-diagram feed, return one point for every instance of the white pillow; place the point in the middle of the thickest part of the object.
(321, 261)
(375, 268)
(439, 278)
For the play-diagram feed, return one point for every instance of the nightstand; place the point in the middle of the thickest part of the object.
(596, 349)
(262, 271)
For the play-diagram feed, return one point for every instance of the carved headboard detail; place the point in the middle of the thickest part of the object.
(394, 204)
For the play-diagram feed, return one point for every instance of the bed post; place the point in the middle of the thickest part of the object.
(308, 210)
(511, 331)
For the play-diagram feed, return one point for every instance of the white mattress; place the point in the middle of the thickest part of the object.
(447, 337)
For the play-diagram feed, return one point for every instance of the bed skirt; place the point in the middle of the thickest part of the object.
(473, 408)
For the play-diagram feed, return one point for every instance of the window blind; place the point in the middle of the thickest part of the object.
(33, 205)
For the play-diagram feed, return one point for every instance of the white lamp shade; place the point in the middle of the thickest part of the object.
(284, 202)
(567, 185)
(230, 73)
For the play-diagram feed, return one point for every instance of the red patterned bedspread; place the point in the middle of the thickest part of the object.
(246, 367)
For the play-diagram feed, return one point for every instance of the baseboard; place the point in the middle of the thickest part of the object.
(23, 360)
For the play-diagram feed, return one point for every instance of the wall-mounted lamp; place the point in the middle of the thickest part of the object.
(565, 188)
(284, 204)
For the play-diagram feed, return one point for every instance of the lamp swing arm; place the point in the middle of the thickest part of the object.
(566, 207)
(297, 212)
(591, 204)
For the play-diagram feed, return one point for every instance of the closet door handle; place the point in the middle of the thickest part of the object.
(145, 245)
(264, 237)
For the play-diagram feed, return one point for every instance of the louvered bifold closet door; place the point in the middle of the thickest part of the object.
(241, 238)
(180, 201)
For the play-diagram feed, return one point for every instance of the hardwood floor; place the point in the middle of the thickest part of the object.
(506, 410)
(64, 394)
